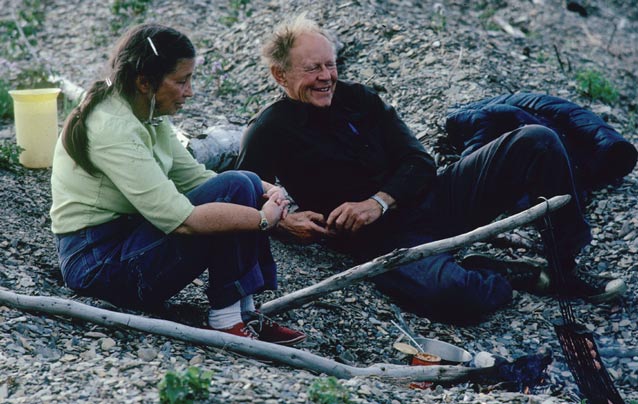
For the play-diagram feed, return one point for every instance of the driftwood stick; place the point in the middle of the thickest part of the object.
(404, 256)
(286, 355)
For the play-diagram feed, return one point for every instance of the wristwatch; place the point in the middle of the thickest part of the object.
(263, 223)
(381, 202)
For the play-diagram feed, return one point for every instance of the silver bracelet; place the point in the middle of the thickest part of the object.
(381, 202)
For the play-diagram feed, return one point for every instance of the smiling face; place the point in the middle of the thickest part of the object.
(312, 75)
(175, 88)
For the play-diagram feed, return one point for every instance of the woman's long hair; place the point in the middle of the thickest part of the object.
(150, 50)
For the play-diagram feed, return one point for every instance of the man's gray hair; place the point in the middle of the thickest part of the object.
(276, 50)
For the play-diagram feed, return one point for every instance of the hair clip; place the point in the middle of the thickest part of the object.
(108, 81)
(152, 45)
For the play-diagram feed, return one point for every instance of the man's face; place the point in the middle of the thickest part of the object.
(312, 76)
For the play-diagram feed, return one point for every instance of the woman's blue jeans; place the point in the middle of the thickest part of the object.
(131, 263)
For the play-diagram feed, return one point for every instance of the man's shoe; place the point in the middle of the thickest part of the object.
(521, 273)
(270, 331)
(593, 288)
(240, 330)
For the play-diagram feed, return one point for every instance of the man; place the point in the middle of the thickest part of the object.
(366, 184)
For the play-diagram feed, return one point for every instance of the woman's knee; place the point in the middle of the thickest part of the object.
(229, 186)
(241, 188)
(254, 179)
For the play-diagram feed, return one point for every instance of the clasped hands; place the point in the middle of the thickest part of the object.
(347, 218)
(276, 206)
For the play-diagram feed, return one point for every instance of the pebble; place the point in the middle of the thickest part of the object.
(145, 354)
(107, 343)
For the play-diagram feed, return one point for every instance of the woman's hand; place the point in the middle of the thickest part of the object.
(275, 208)
(306, 226)
(269, 189)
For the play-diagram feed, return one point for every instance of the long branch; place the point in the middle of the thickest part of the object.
(281, 354)
(404, 256)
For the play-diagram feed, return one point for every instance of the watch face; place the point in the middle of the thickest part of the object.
(263, 224)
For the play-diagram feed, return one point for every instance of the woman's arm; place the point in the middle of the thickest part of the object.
(220, 217)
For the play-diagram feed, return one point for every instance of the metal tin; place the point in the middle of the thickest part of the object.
(449, 353)
(425, 359)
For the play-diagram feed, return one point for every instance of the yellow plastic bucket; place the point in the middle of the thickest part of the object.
(36, 120)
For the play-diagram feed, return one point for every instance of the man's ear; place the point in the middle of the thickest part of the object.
(279, 74)
(142, 84)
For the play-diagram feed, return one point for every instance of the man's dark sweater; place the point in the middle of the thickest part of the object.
(344, 153)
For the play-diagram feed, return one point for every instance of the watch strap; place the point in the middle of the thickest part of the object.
(381, 202)
(263, 222)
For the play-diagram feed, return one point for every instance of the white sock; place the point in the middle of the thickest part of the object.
(247, 304)
(225, 318)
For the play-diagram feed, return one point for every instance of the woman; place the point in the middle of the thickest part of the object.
(136, 217)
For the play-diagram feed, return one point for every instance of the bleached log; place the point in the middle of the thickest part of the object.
(404, 256)
(281, 354)
(70, 90)
(507, 27)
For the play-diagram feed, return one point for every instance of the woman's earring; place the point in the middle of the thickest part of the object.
(153, 121)
(150, 113)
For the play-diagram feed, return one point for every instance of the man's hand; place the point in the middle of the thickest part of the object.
(349, 217)
(306, 226)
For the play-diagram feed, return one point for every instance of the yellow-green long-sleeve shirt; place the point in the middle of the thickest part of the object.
(141, 169)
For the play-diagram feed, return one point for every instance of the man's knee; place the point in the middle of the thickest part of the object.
(539, 137)
(444, 290)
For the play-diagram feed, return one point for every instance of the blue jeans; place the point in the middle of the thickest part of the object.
(131, 263)
(504, 175)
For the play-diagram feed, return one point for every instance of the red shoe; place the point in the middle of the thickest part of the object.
(239, 329)
(269, 331)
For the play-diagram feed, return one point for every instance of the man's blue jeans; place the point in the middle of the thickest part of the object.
(131, 263)
(504, 175)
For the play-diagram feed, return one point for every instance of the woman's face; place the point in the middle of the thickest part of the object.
(175, 88)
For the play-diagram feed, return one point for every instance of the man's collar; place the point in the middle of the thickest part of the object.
(301, 111)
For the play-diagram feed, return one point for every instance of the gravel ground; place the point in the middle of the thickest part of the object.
(423, 56)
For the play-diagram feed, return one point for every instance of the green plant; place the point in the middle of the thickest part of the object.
(127, 7)
(126, 11)
(6, 102)
(34, 77)
(541, 57)
(185, 388)
(251, 105)
(218, 74)
(438, 22)
(236, 8)
(30, 17)
(227, 86)
(328, 390)
(592, 84)
(9, 155)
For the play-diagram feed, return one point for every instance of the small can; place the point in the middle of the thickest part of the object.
(425, 359)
